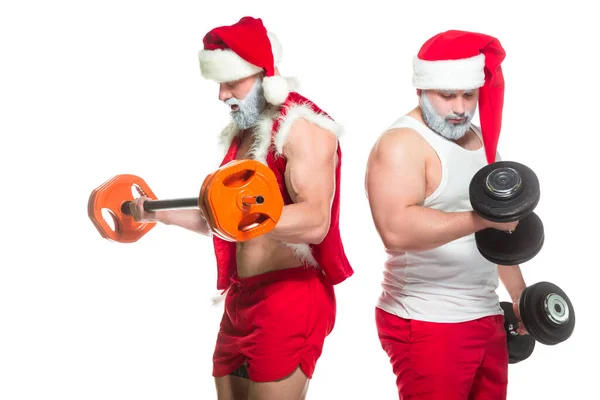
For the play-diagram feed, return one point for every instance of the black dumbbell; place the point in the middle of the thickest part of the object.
(548, 315)
(507, 191)
(519, 346)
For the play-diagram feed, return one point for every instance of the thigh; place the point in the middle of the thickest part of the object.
(491, 380)
(292, 387)
(227, 356)
(394, 336)
(232, 388)
(289, 329)
(444, 358)
(431, 360)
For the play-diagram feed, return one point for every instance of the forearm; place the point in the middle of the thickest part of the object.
(191, 220)
(300, 223)
(420, 228)
(512, 279)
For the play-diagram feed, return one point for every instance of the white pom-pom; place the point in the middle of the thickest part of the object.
(277, 89)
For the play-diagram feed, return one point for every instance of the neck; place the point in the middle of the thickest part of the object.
(417, 114)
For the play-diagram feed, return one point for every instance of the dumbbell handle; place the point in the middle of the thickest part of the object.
(157, 205)
(512, 330)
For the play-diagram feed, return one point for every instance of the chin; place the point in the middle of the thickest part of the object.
(455, 131)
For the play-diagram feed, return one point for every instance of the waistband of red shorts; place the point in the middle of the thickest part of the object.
(288, 274)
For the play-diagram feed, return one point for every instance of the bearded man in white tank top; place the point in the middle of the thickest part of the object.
(439, 317)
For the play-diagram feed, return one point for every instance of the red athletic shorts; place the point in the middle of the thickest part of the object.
(449, 361)
(274, 323)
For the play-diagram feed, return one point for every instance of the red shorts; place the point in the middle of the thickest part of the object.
(449, 361)
(274, 323)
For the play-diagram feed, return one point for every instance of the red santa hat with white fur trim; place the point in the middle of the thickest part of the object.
(459, 60)
(243, 49)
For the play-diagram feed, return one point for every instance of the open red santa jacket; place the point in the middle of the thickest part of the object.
(270, 136)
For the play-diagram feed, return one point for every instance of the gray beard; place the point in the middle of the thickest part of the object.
(440, 125)
(250, 108)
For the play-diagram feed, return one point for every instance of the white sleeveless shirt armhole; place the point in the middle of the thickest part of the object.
(452, 283)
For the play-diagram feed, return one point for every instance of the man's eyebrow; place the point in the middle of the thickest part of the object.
(447, 92)
(453, 92)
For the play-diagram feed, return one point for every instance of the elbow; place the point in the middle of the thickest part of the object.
(319, 236)
(319, 233)
(392, 242)
(397, 242)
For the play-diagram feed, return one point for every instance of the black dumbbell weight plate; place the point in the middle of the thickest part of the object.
(504, 191)
(515, 248)
(520, 347)
(547, 313)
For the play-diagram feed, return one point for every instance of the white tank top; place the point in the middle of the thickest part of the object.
(452, 283)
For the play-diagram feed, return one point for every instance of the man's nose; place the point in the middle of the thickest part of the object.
(224, 93)
(459, 108)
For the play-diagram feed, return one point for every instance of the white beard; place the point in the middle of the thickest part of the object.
(440, 124)
(250, 108)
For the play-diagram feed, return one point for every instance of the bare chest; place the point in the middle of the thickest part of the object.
(245, 144)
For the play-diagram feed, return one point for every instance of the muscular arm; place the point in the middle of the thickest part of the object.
(396, 185)
(191, 220)
(512, 279)
(311, 154)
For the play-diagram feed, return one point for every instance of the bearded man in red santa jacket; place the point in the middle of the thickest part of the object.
(279, 287)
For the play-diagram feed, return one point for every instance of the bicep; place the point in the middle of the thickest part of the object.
(395, 180)
(311, 154)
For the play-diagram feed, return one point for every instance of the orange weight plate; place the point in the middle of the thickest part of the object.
(242, 200)
(203, 203)
(110, 195)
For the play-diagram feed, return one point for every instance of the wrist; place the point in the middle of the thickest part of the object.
(517, 297)
(162, 217)
(479, 222)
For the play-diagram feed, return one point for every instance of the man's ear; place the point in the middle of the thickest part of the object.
(419, 91)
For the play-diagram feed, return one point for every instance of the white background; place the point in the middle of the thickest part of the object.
(93, 89)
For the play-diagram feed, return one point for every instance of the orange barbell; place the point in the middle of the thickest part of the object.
(240, 201)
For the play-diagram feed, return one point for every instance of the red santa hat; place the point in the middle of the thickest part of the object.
(459, 60)
(243, 49)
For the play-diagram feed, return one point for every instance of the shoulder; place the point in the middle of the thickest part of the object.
(400, 137)
(298, 108)
(306, 137)
(398, 143)
(302, 123)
